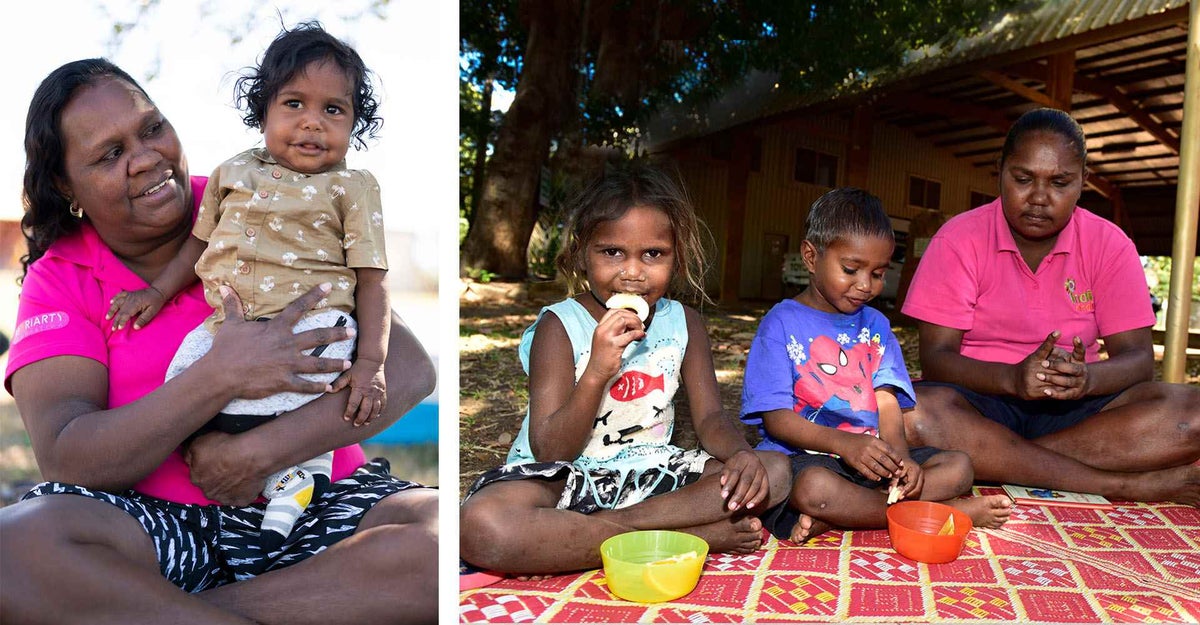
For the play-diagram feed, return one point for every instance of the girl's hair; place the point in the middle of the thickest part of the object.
(1046, 120)
(46, 217)
(608, 198)
(290, 54)
(843, 213)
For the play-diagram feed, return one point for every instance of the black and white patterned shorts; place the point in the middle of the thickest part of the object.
(591, 489)
(201, 547)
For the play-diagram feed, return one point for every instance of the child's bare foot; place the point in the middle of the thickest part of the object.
(808, 527)
(532, 578)
(989, 512)
(740, 535)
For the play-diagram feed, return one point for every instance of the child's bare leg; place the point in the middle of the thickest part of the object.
(514, 527)
(737, 535)
(830, 500)
(948, 475)
(701, 503)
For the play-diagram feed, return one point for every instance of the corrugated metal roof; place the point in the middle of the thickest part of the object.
(1025, 26)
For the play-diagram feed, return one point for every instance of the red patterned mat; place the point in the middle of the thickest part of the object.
(1134, 563)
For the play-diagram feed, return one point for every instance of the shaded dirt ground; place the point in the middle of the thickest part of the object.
(493, 394)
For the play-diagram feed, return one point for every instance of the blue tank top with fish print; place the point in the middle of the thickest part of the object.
(636, 417)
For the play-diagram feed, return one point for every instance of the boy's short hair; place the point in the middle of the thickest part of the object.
(846, 212)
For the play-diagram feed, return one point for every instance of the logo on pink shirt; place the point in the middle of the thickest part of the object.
(1083, 302)
(40, 323)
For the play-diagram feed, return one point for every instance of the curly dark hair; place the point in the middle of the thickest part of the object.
(289, 54)
(46, 217)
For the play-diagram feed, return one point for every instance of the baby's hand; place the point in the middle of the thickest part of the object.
(368, 391)
(127, 304)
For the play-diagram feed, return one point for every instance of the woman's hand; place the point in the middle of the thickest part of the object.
(262, 359)
(223, 471)
(869, 455)
(744, 480)
(1067, 376)
(1030, 381)
(617, 329)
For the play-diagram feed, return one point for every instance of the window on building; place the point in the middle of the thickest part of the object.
(979, 199)
(721, 147)
(815, 168)
(924, 193)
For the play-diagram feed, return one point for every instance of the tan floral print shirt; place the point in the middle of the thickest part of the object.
(274, 233)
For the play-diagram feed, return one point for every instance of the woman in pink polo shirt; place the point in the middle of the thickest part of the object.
(1012, 299)
(139, 524)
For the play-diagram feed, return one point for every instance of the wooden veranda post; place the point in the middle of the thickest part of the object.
(1187, 209)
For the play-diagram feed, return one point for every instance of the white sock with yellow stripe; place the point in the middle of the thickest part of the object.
(288, 493)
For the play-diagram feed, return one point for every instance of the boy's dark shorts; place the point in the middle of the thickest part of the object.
(202, 547)
(1030, 418)
(782, 518)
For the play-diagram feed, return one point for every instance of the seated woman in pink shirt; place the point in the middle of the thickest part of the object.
(1012, 298)
(137, 523)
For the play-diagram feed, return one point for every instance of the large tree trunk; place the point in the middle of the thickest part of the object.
(503, 221)
(483, 131)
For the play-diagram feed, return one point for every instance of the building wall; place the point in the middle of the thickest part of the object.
(897, 154)
(777, 204)
(705, 180)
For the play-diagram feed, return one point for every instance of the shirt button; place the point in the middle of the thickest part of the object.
(245, 269)
(277, 174)
(263, 194)
(249, 232)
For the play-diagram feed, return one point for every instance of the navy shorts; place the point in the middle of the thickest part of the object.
(780, 519)
(201, 547)
(1031, 418)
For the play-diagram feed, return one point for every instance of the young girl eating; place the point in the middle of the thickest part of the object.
(594, 457)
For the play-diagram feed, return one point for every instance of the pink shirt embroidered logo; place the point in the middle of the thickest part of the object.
(40, 323)
(1083, 302)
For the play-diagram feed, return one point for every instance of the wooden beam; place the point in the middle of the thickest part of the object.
(1131, 109)
(952, 109)
(858, 152)
(1004, 82)
(1062, 79)
(1111, 94)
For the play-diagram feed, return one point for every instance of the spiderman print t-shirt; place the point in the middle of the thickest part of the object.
(824, 367)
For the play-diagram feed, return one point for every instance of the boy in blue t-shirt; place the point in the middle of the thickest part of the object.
(826, 357)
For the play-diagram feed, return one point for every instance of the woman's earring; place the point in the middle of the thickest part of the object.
(75, 210)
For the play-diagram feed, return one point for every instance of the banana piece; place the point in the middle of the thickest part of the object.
(630, 301)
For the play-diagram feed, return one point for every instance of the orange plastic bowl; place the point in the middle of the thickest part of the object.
(913, 527)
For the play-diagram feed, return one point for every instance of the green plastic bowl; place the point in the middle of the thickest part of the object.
(653, 566)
